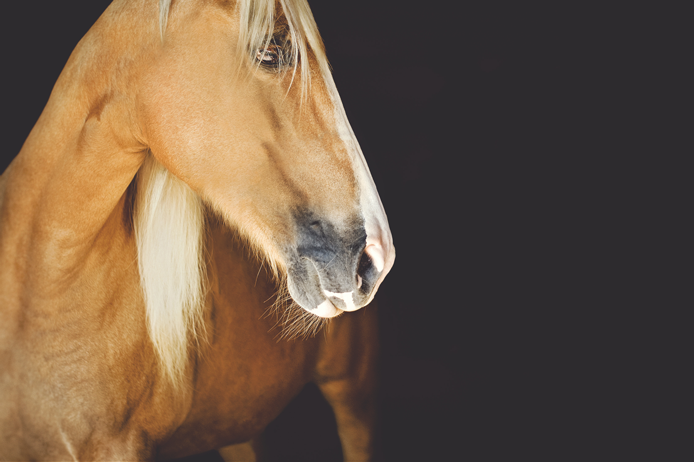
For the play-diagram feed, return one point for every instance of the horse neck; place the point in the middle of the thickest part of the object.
(63, 191)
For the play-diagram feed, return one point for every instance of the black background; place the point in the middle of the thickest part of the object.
(506, 141)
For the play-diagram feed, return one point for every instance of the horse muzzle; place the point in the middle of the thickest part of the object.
(335, 270)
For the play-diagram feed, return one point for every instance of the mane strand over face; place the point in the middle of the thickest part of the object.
(169, 217)
(257, 27)
(164, 6)
(258, 18)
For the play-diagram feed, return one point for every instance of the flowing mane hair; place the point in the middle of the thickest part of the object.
(169, 217)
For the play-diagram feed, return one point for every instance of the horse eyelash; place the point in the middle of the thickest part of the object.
(284, 51)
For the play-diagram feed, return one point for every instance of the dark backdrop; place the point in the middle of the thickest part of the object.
(501, 138)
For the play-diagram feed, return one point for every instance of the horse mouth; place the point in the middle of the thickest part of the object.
(307, 287)
(304, 286)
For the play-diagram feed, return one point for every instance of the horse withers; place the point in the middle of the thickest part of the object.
(193, 163)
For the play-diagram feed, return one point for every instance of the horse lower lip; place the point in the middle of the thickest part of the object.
(326, 310)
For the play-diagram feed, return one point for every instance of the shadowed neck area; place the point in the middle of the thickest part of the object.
(74, 168)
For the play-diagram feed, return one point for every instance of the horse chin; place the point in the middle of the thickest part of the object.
(326, 310)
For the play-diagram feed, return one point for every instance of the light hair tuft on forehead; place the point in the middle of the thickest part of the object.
(257, 25)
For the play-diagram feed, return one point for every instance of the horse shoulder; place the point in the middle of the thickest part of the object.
(83, 352)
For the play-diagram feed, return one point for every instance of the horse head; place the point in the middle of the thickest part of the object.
(238, 102)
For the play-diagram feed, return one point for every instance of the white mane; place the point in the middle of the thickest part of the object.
(169, 226)
(169, 217)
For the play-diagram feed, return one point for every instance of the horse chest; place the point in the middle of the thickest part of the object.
(242, 384)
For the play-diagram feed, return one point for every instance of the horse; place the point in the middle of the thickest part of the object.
(190, 209)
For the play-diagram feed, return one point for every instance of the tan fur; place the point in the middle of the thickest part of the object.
(103, 294)
(168, 215)
(174, 307)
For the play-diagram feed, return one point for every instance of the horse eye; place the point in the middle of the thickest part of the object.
(270, 56)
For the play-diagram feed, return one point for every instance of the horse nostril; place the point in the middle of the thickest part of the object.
(364, 267)
(376, 253)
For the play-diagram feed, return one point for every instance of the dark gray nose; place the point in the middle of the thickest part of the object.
(330, 264)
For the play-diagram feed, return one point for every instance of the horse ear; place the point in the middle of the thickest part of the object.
(169, 229)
